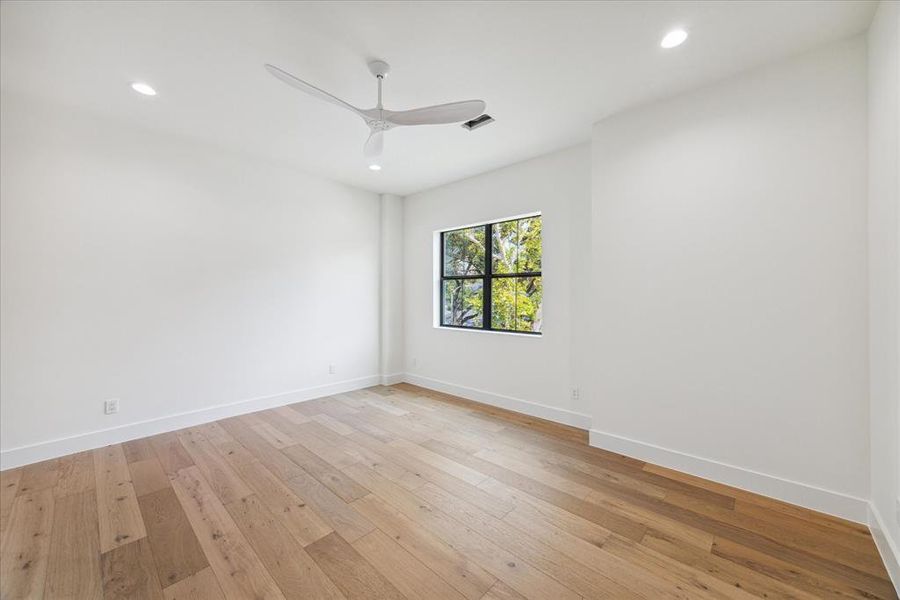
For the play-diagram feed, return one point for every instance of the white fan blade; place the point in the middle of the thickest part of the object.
(375, 144)
(453, 112)
(311, 89)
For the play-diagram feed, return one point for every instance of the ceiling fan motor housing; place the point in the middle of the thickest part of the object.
(379, 68)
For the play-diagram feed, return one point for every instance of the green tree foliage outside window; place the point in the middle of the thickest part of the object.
(508, 287)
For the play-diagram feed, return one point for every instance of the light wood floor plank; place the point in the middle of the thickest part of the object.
(175, 547)
(449, 466)
(148, 476)
(202, 585)
(329, 476)
(454, 567)
(789, 530)
(26, 545)
(215, 433)
(310, 436)
(140, 449)
(587, 510)
(502, 564)
(557, 482)
(729, 572)
(366, 426)
(73, 567)
(589, 554)
(171, 454)
(381, 405)
(225, 482)
(333, 424)
(355, 577)
(623, 508)
(330, 405)
(342, 517)
(379, 457)
(398, 428)
(573, 574)
(421, 472)
(239, 570)
(349, 401)
(129, 573)
(596, 476)
(537, 510)
(296, 573)
(292, 511)
(402, 569)
(9, 487)
(117, 506)
(697, 584)
(76, 474)
(501, 591)
(38, 476)
(290, 415)
(261, 450)
(774, 567)
(273, 435)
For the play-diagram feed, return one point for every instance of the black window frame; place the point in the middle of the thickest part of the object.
(487, 277)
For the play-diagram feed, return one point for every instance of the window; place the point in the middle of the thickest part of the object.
(491, 276)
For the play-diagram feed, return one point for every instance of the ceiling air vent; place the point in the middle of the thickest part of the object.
(478, 122)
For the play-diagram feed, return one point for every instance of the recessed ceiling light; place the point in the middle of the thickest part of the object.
(674, 38)
(374, 167)
(142, 88)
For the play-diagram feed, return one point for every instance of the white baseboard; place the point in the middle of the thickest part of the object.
(24, 455)
(890, 552)
(542, 411)
(392, 378)
(794, 492)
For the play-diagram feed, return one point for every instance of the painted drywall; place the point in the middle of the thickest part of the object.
(527, 373)
(391, 363)
(884, 279)
(729, 280)
(174, 276)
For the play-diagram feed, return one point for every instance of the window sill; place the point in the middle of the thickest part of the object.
(475, 330)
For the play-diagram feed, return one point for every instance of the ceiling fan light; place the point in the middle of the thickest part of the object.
(674, 38)
(142, 88)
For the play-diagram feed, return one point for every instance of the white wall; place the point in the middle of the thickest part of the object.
(526, 373)
(729, 270)
(392, 358)
(174, 276)
(884, 273)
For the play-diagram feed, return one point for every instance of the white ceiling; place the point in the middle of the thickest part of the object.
(547, 70)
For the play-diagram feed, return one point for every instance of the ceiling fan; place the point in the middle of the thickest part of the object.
(379, 119)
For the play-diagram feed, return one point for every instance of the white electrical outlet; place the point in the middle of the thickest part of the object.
(332, 369)
(111, 406)
(576, 393)
(415, 362)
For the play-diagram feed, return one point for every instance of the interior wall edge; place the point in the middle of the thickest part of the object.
(392, 378)
(542, 411)
(25, 455)
(890, 554)
(831, 502)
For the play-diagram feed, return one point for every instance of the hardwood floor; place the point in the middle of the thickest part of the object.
(399, 492)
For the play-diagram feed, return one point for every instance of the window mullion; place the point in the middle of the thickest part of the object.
(441, 283)
(487, 310)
